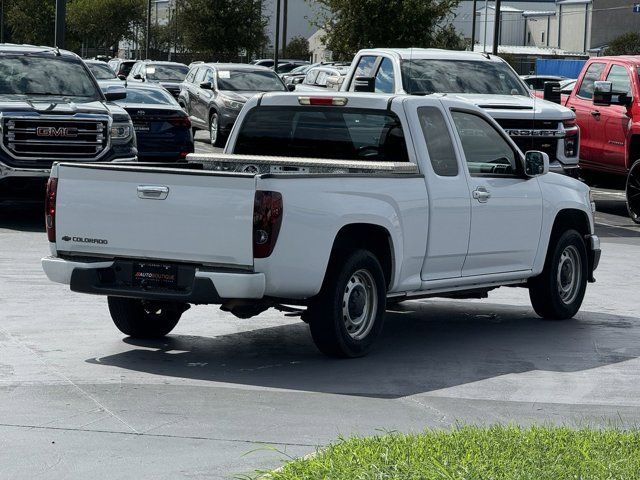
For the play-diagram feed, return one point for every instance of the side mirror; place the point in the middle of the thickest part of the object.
(297, 80)
(122, 76)
(364, 84)
(206, 86)
(114, 93)
(536, 163)
(602, 93)
(552, 92)
(291, 87)
(137, 76)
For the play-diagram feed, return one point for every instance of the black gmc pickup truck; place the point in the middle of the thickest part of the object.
(51, 109)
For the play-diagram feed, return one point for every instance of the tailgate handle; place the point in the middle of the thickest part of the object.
(153, 192)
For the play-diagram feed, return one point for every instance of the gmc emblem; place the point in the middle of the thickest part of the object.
(56, 132)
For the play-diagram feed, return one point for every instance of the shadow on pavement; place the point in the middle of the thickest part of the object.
(25, 216)
(425, 346)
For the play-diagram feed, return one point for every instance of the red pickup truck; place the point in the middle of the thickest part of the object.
(606, 101)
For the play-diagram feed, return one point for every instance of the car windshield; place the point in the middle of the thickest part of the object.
(323, 132)
(46, 76)
(167, 72)
(301, 69)
(249, 81)
(148, 95)
(426, 76)
(101, 71)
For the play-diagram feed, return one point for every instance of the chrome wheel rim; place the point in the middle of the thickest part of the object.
(359, 304)
(213, 128)
(633, 194)
(569, 274)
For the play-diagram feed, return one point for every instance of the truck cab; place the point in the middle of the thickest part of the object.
(606, 102)
(52, 109)
(483, 79)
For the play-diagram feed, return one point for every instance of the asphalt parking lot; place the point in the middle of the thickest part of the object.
(222, 397)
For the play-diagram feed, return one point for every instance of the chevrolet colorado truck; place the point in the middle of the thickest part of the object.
(51, 108)
(337, 203)
(483, 79)
(606, 100)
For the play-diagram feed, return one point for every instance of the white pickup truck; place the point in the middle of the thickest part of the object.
(337, 203)
(483, 79)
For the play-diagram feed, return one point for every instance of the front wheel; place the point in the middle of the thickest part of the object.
(215, 134)
(347, 316)
(143, 319)
(633, 192)
(557, 293)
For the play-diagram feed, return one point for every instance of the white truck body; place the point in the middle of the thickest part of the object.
(533, 123)
(441, 237)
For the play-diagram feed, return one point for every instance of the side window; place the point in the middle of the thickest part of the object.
(363, 69)
(385, 78)
(591, 75)
(200, 75)
(208, 75)
(439, 144)
(191, 75)
(485, 150)
(321, 81)
(311, 77)
(619, 77)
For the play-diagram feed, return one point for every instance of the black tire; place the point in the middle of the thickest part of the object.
(557, 293)
(217, 138)
(140, 319)
(633, 192)
(358, 277)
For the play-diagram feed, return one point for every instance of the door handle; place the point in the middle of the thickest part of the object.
(153, 192)
(595, 113)
(481, 194)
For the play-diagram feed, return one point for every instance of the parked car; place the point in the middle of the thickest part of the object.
(163, 129)
(103, 74)
(214, 93)
(322, 78)
(485, 80)
(334, 203)
(269, 62)
(121, 67)
(287, 66)
(536, 82)
(605, 100)
(52, 109)
(168, 74)
(297, 75)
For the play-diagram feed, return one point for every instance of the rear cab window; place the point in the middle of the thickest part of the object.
(323, 132)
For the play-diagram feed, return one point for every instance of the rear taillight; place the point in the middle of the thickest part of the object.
(267, 218)
(50, 208)
(180, 121)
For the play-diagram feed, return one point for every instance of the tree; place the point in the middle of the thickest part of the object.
(626, 44)
(355, 24)
(104, 23)
(297, 49)
(31, 21)
(223, 27)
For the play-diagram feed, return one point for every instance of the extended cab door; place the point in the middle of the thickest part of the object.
(449, 206)
(506, 206)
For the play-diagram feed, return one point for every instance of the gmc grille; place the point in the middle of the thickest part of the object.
(33, 142)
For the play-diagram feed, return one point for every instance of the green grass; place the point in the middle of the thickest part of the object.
(472, 453)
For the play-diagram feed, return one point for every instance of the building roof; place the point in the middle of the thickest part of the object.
(528, 50)
(503, 8)
(539, 13)
(570, 2)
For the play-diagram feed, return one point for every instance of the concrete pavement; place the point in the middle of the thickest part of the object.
(223, 397)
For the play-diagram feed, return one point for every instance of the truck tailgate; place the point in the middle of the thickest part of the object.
(143, 212)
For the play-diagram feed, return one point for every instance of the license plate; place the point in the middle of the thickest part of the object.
(141, 127)
(155, 275)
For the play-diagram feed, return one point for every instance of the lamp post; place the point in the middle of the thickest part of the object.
(61, 7)
(277, 42)
(496, 29)
(148, 35)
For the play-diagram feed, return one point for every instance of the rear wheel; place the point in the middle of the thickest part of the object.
(633, 192)
(557, 293)
(143, 319)
(347, 316)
